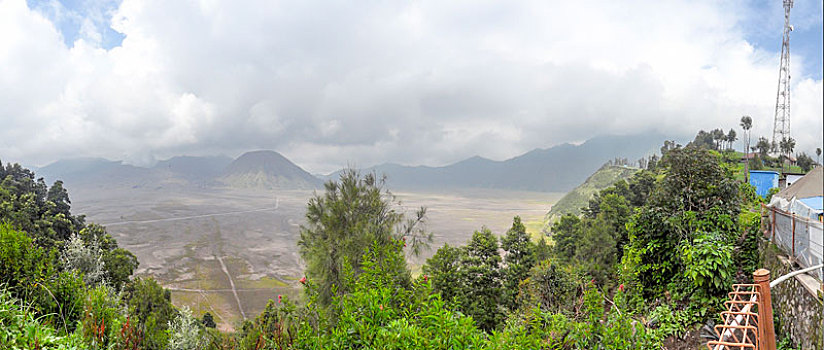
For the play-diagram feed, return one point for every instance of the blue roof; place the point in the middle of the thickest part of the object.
(816, 203)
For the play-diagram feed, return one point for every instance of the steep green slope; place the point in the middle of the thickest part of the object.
(573, 201)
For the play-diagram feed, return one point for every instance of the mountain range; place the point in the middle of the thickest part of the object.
(555, 169)
(256, 169)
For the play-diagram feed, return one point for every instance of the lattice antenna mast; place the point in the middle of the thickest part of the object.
(781, 128)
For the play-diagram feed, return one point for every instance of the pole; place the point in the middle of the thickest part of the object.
(773, 223)
(766, 328)
(793, 257)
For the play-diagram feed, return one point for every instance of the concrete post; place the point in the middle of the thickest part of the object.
(766, 328)
(772, 227)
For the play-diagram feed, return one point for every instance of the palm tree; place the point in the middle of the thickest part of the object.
(787, 145)
(818, 155)
(746, 124)
(718, 136)
(763, 146)
(731, 138)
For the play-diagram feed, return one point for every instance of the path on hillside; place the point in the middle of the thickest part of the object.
(277, 203)
(231, 283)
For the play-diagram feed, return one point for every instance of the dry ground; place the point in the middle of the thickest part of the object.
(181, 236)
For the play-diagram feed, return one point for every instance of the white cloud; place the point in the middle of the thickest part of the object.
(331, 84)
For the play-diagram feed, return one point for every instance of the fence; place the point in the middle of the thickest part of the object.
(802, 238)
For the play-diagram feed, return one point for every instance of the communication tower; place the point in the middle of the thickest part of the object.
(781, 128)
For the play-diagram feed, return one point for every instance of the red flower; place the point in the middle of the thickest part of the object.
(380, 307)
(303, 280)
(425, 278)
(621, 287)
(280, 297)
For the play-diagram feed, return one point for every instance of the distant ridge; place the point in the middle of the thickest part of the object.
(257, 169)
(267, 169)
(95, 172)
(556, 169)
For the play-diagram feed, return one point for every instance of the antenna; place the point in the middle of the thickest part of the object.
(781, 128)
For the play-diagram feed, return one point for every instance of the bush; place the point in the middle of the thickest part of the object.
(20, 329)
(102, 318)
(185, 332)
(551, 287)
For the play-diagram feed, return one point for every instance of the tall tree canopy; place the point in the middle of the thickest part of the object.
(344, 221)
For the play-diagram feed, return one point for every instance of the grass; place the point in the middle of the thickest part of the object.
(535, 228)
(733, 160)
(265, 282)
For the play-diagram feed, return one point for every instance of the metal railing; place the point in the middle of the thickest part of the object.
(801, 238)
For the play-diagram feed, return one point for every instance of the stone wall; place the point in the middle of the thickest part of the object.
(797, 303)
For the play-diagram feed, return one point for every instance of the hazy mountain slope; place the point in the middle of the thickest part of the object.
(555, 169)
(267, 169)
(193, 169)
(96, 172)
(574, 200)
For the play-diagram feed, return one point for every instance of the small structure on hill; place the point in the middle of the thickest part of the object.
(763, 180)
(789, 178)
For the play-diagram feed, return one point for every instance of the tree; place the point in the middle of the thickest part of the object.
(551, 286)
(519, 258)
(746, 124)
(595, 251)
(818, 155)
(481, 278)
(208, 320)
(805, 162)
(696, 195)
(150, 306)
(86, 259)
(444, 270)
(763, 146)
(60, 197)
(345, 221)
(702, 139)
(120, 265)
(565, 235)
(542, 250)
(718, 136)
(786, 146)
(731, 138)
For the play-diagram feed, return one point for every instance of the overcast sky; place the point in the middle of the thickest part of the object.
(330, 83)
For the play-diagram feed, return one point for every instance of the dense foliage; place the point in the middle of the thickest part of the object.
(65, 284)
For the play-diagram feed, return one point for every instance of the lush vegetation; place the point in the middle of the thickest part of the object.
(648, 259)
(574, 201)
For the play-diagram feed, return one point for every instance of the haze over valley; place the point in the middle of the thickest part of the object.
(203, 224)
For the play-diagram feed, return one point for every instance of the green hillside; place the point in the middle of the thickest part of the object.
(573, 201)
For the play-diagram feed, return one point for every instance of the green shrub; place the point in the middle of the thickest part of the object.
(21, 329)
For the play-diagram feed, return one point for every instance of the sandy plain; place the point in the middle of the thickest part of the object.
(230, 251)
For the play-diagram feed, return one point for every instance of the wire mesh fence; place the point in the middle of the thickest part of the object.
(802, 238)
